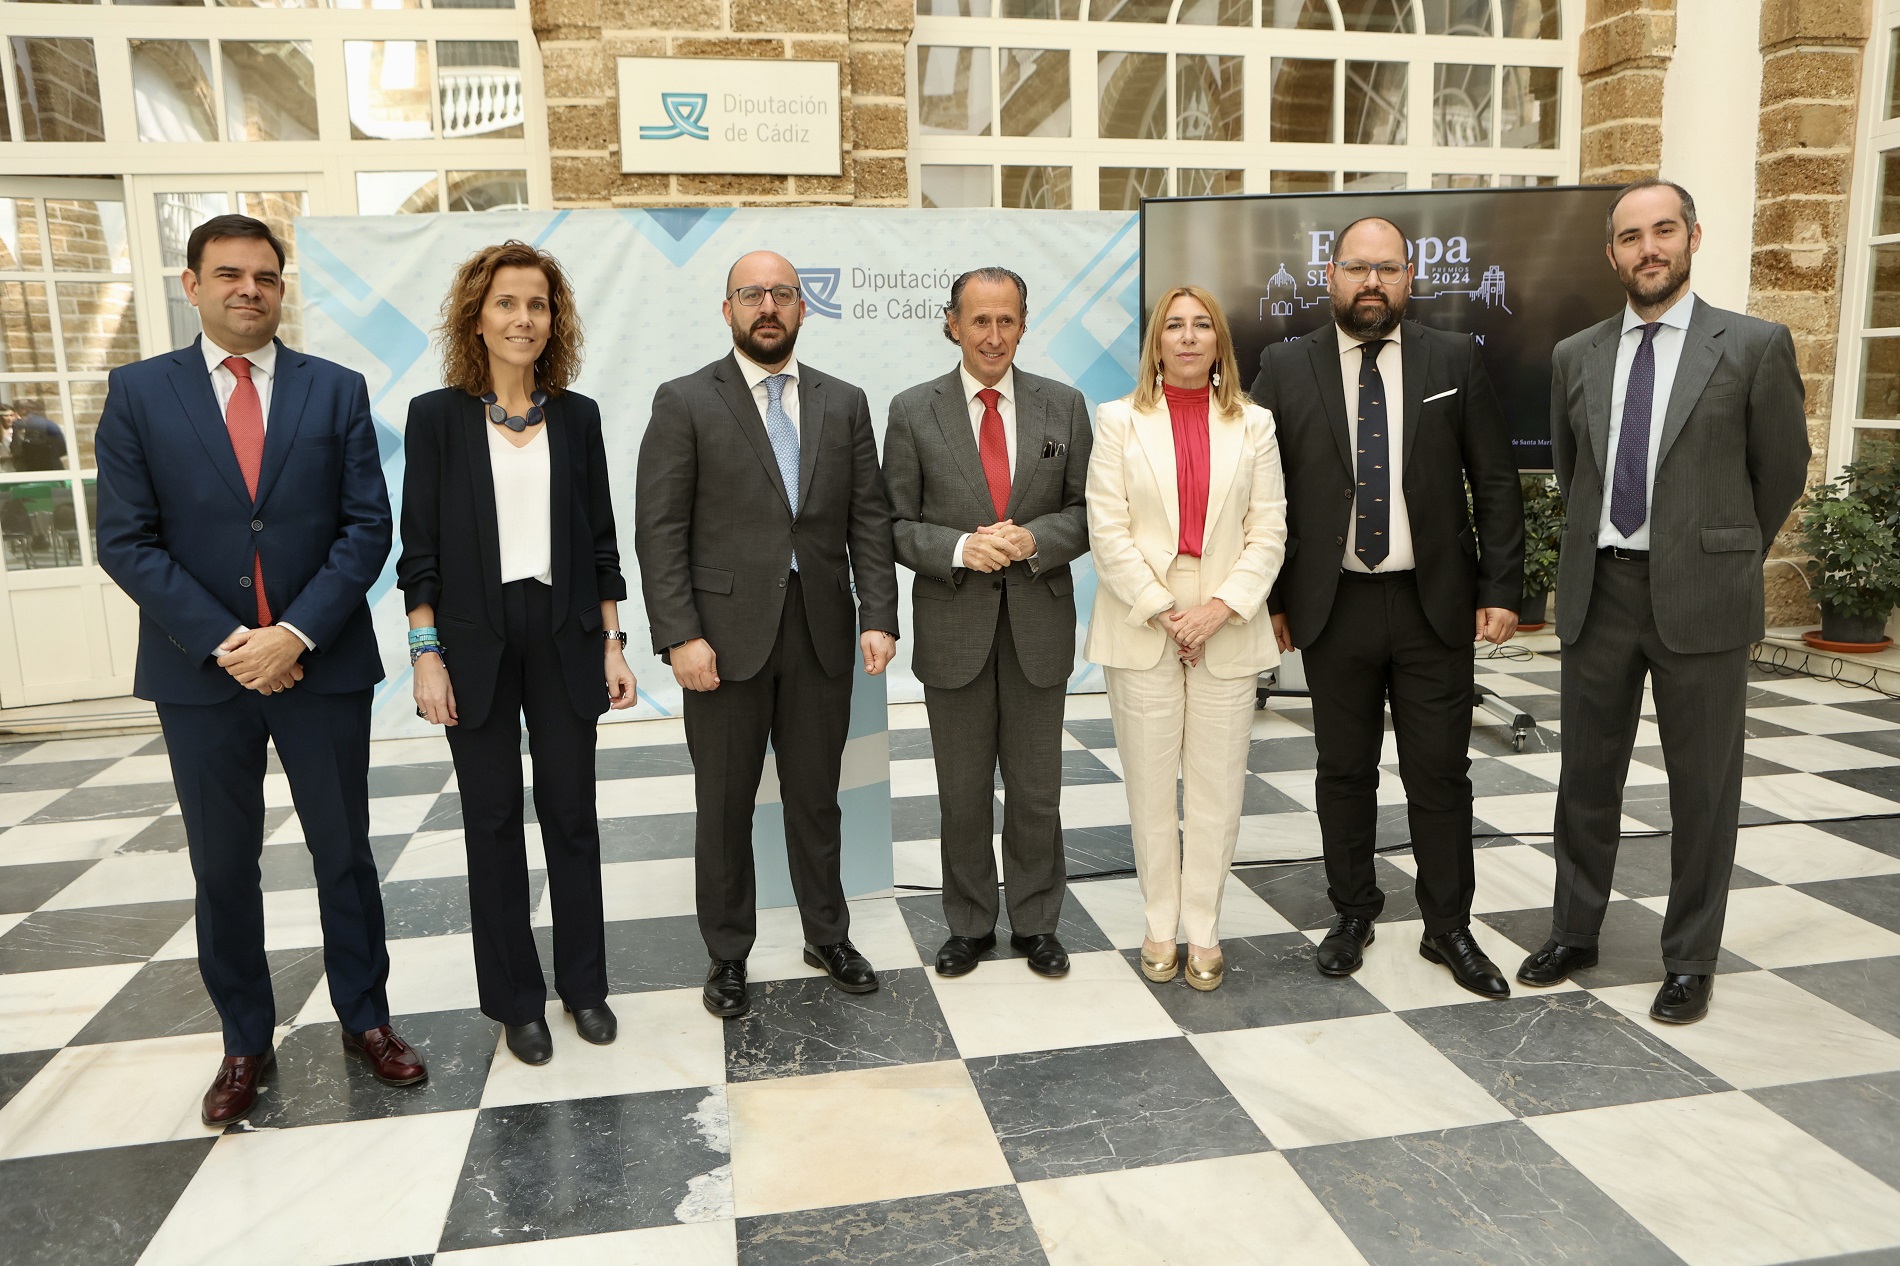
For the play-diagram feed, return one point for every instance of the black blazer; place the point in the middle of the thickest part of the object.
(451, 553)
(1459, 437)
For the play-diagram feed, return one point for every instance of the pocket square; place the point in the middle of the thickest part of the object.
(1440, 396)
(1053, 449)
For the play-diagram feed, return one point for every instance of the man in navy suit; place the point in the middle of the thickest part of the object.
(242, 507)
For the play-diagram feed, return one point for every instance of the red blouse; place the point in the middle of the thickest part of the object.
(1187, 409)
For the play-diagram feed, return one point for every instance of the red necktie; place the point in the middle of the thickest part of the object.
(993, 448)
(244, 418)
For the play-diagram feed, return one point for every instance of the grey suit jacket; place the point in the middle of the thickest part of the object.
(1733, 458)
(938, 492)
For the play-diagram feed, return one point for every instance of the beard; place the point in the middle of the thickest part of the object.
(776, 346)
(1371, 320)
(1648, 292)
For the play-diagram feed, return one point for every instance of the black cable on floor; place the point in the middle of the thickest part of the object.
(1775, 660)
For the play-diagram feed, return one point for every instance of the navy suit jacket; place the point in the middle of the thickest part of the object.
(178, 531)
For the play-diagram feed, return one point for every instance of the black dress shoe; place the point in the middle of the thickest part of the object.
(724, 994)
(1682, 999)
(960, 954)
(531, 1042)
(1553, 964)
(1344, 948)
(848, 969)
(1044, 952)
(595, 1024)
(1469, 965)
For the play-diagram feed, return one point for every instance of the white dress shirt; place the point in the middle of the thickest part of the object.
(524, 501)
(1006, 406)
(755, 376)
(1398, 555)
(1667, 348)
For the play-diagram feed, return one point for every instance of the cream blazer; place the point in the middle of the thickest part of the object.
(1135, 532)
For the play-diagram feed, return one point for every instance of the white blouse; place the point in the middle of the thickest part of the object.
(523, 506)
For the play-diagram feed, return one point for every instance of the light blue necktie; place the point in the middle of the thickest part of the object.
(784, 437)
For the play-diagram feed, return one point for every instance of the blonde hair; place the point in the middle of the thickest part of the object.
(1228, 400)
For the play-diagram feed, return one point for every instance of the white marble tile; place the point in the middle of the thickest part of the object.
(1140, 1217)
(1781, 927)
(426, 973)
(1116, 907)
(1813, 754)
(81, 841)
(42, 1010)
(1762, 1030)
(646, 732)
(1070, 743)
(1814, 689)
(133, 771)
(409, 751)
(1819, 718)
(665, 1043)
(1511, 877)
(353, 1191)
(1331, 1081)
(1529, 812)
(1546, 765)
(877, 929)
(110, 748)
(688, 1244)
(1085, 707)
(1724, 1181)
(1269, 723)
(1508, 688)
(1095, 804)
(1294, 783)
(1645, 775)
(919, 863)
(292, 920)
(1278, 837)
(289, 831)
(397, 815)
(1396, 975)
(637, 890)
(1803, 796)
(1102, 999)
(432, 855)
(643, 797)
(913, 777)
(882, 1134)
(912, 716)
(18, 806)
(8, 921)
(128, 878)
(114, 1094)
(1791, 853)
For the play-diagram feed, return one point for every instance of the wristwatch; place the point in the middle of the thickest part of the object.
(614, 635)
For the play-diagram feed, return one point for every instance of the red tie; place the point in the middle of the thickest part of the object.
(244, 417)
(993, 448)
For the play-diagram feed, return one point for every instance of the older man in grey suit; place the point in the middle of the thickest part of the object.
(987, 467)
(1680, 442)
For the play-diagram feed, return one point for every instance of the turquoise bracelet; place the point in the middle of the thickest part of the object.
(423, 635)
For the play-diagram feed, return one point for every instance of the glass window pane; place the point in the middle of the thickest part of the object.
(1889, 193)
(1457, 17)
(480, 87)
(1197, 182)
(1375, 103)
(87, 236)
(397, 192)
(89, 400)
(1876, 445)
(1302, 101)
(1372, 181)
(1300, 182)
(1215, 13)
(269, 4)
(19, 234)
(1129, 10)
(1376, 15)
(1207, 104)
(59, 90)
(1531, 19)
(99, 324)
(954, 186)
(181, 319)
(1035, 91)
(281, 211)
(290, 325)
(1123, 188)
(1528, 108)
(953, 90)
(471, 4)
(40, 525)
(1042, 10)
(1883, 304)
(1525, 182)
(270, 91)
(196, 4)
(6, 120)
(1461, 105)
(171, 90)
(178, 215)
(1471, 180)
(376, 4)
(30, 426)
(1880, 379)
(1305, 15)
(1893, 75)
(488, 191)
(953, 8)
(388, 84)
(1132, 95)
(1043, 188)
(26, 329)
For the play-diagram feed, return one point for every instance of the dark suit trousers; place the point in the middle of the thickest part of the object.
(1378, 646)
(1700, 708)
(1000, 714)
(488, 772)
(218, 761)
(805, 714)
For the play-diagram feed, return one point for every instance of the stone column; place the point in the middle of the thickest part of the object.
(1621, 57)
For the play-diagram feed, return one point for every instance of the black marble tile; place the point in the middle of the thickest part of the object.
(167, 999)
(13, 747)
(92, 1208)
(804, 1026)
(387, 849)
(1875, 898)
(1094, 850)
(913, 744)
(19, 1067)
(1496, 778)
(1882, 835)
(1269, 980)
(1492, 1194)
(648, 838)
(419, 1259)
(49, 775)
(1082, 768)
(1752, 767)
(586, 1166)
(1648, 805)
(423, 779)
(1757, 724)
(1393, 830)
(1281, 755)
(165, 835)
(1886, 742)
(643, 954)
(1883, 781)
(1872, 1257)
(1076, 929)
(1491, 737)
(445, 814)
(1859, 1117)
(286, 867)
(87, 938)
(1643, 867)
(1093, 1109)
(1297, 891)
(438, 907)
(1629, 946)
(986, 1227)
(1873, 706)
(317, 1083)
(27, 888)
(86, 804)
(1559, 1053)
(657, 761)
(1868, 988)
(1092, 731)
(1260, 796)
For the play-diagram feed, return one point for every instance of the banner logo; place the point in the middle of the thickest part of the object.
(687, 112)
(820, 288)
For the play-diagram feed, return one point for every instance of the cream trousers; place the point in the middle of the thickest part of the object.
(1172, 720)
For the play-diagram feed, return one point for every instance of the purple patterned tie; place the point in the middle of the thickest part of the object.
(1629, 496)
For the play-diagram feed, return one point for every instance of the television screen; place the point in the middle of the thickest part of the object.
(1518, 268)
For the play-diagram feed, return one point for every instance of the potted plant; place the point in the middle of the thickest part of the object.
(1543, 537)
(1850, 529)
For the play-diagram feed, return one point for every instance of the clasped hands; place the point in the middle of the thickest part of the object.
(1191, 628)
(264, 660)
(997, 545)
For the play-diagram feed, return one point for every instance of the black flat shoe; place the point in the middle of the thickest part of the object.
(724, 994)
(1469, 965)
(848, 969)
(1683, 999)
(1344, 949)
(595, 1024)
(531, 1042)
(960, 954)
(1553, 964)
(1044, 952)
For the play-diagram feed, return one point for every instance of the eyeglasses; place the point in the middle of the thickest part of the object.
(753, 296)
(1356, 270)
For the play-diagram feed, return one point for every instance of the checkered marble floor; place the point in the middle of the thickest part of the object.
(998, 1118)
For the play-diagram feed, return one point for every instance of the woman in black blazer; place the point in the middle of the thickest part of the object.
(511, 573)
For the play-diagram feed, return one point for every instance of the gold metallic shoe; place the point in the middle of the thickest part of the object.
(1157, 968)
(1205, 974)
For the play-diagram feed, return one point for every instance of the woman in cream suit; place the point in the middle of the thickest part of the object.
(1187, 519)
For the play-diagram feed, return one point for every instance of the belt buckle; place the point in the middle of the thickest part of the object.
(1622, 555)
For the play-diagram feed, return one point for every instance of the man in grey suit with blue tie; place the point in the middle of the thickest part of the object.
(1680, 443)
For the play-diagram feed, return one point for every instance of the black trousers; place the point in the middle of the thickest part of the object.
(218, 760)
(1378, 647)
(805, 714)
(488, 772)
(1701, 705)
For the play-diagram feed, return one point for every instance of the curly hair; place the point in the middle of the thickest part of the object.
(465, 356)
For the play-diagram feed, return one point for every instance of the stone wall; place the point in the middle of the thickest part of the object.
(1622, 56)
(581, 38)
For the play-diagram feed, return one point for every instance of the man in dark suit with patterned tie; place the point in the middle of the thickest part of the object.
(1679, 438)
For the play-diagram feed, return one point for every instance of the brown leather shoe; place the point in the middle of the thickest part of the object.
(234, 1090)
(393, 1060)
